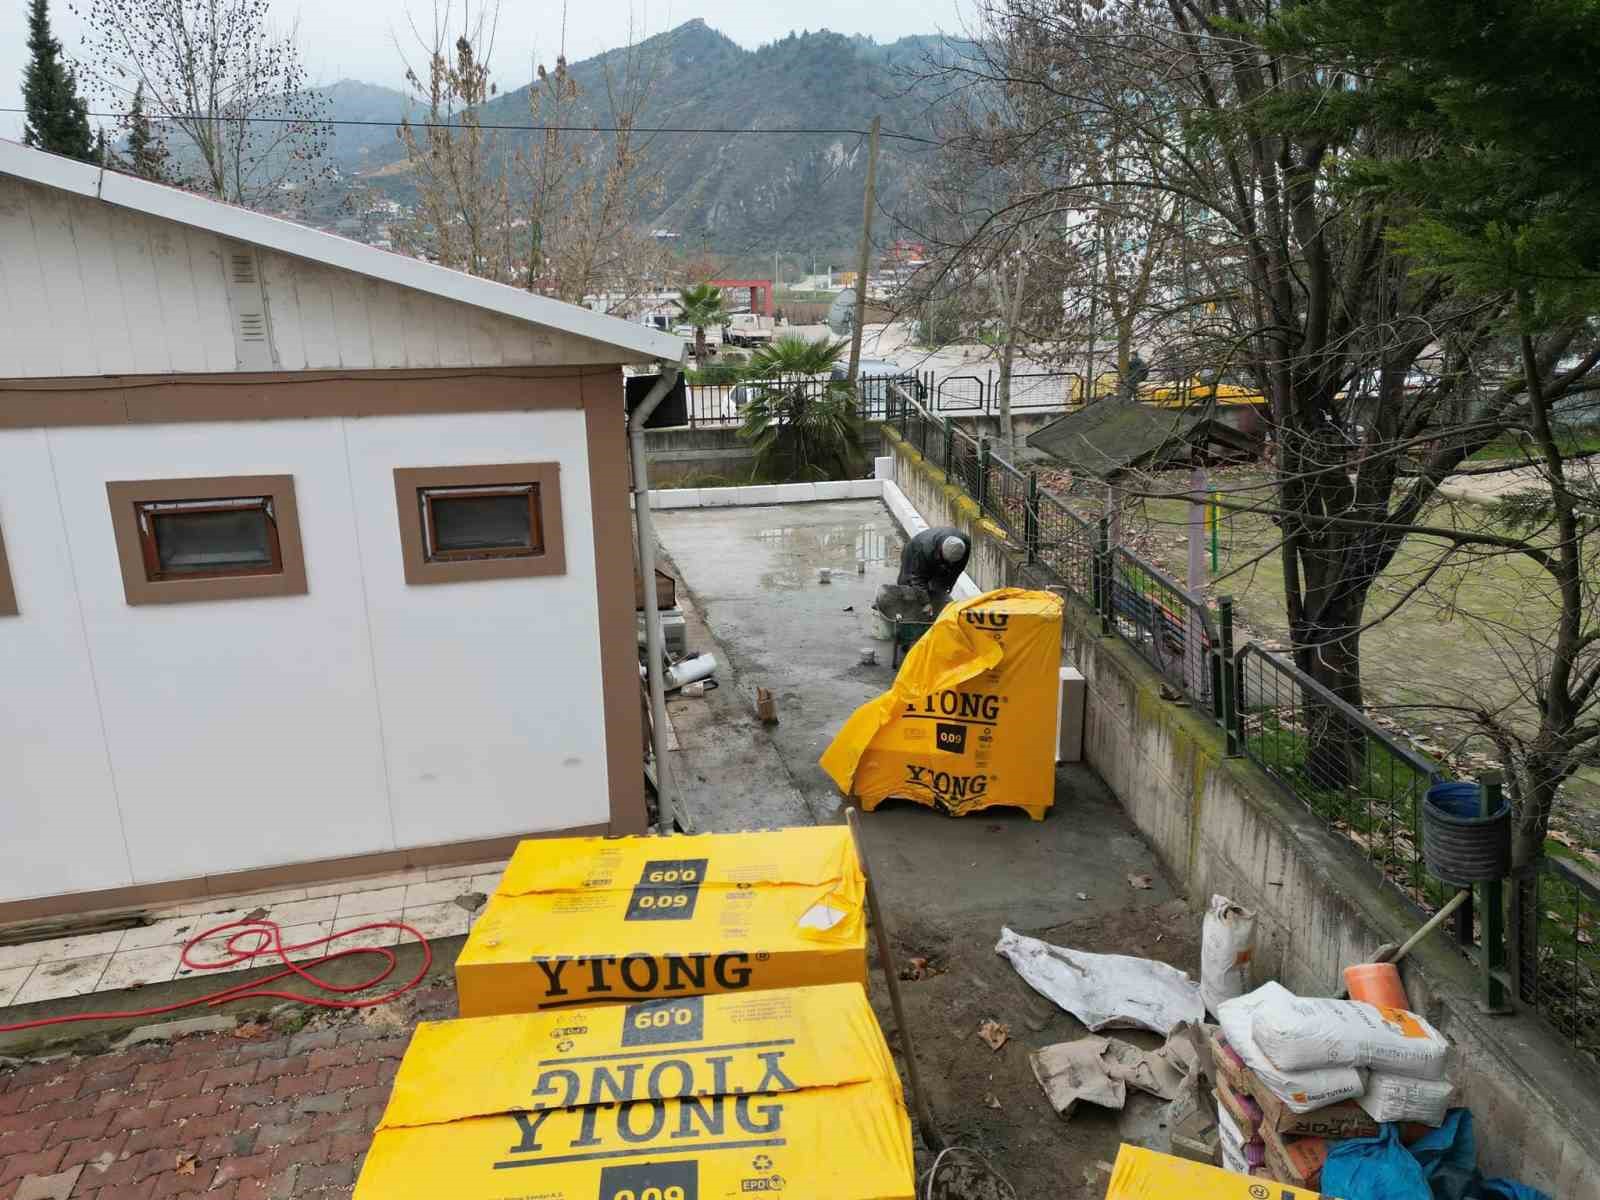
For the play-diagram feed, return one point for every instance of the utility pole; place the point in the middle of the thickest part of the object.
(865, 261)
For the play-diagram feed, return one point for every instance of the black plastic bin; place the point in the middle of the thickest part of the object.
(1459, 847)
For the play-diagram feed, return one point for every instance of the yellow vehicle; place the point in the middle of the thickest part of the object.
(1196, 391)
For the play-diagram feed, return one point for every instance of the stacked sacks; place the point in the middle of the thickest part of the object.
(1320, 1070)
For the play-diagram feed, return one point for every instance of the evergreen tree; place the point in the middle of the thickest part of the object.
(147, 157)
(58, 118)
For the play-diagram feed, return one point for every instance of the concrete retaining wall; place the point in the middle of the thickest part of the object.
(1222, 826)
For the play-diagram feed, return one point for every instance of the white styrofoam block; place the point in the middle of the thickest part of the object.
(865, 489)
(883, 467)
(665, 498)
(770, 493)
(723, 497)
(904, 513)
(1072, 701)
(833, 489)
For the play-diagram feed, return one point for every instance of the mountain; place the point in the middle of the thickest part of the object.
(734, 193)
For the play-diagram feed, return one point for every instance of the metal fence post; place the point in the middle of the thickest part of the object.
(981, 484)
(1494, 929)
(1229, 679)
(949, 443)
(1102, 570)
(1030, 519)
(1524, 929)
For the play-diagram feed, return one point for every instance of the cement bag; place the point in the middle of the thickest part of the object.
(1400, 1098)
(970, 722)
(1303, 1031)
(1105, 991)
(1227, 942)
(1301, 1091)
(1235, 1149)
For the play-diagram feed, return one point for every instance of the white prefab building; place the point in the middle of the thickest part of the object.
(314, 559)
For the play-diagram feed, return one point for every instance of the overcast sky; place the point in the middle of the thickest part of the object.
(356, 38)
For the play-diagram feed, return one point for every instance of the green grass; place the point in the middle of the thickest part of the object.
(1586, 443)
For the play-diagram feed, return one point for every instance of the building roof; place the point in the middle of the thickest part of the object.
(243, 225)
(1112, 435)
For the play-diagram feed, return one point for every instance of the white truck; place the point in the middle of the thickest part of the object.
(746, 329)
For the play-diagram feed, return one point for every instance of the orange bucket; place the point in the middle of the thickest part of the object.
(1376, 983)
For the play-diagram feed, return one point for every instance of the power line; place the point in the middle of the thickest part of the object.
(903, 137)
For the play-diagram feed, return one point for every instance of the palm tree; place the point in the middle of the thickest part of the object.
(802, 427)
(701, 306)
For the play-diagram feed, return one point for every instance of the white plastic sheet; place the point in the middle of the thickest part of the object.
(1105, 991)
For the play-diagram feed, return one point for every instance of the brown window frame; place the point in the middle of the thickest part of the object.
(143, 582)
(427, 497)
(8, 593)
(543, 481)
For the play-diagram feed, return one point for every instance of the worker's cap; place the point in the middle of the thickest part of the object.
(953, 549)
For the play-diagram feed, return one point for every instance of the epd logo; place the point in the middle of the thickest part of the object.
(651, 1181)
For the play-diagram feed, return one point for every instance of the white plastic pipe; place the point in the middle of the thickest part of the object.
(701, 666)
(665, 808)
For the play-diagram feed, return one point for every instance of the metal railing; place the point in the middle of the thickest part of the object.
(722, 405)
(960, 393)
(1555, 934)
(962, 461)
(1065, 545)
(1365, 785)
(1171, 629)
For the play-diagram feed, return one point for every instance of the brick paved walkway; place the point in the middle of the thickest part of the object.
(236, 1118)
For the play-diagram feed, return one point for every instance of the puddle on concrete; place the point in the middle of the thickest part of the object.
(798, 551)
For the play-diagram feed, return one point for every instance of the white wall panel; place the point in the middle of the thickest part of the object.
(93, 289)
(242, 732)
(491, 690)
(60, 829)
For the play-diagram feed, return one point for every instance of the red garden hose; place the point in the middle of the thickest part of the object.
(269, 944)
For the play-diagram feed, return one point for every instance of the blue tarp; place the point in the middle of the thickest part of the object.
(1443, 1165)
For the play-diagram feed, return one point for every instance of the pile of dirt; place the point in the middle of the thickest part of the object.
(954, 982)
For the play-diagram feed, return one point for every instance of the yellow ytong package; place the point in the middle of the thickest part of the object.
(971, 720)
(581, 921)
(789, 1093)
(1142, 1174)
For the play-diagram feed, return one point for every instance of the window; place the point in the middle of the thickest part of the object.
(460, 524)
(223, 538)
(497, 521)
(209, 539)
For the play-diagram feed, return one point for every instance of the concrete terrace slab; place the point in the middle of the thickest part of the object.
(947, 885)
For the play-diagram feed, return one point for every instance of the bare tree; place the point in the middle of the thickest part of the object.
(1311, 297)
(244, 123)
(559, 212)
(464, 215)
(588, 192)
